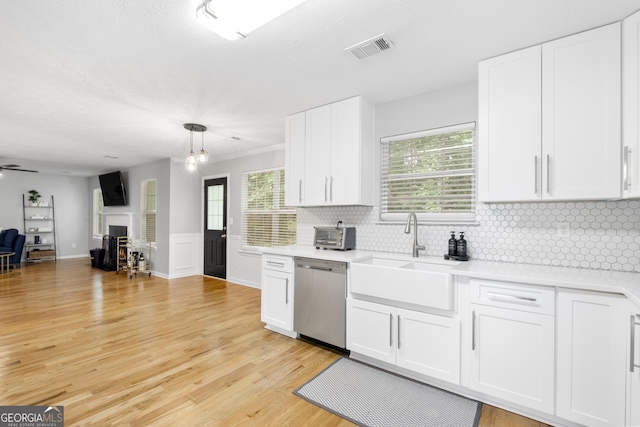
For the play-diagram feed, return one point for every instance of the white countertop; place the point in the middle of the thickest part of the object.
(577, 278)
(567, 277)
(312, 252)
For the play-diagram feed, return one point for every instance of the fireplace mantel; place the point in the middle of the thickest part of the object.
(117, 218)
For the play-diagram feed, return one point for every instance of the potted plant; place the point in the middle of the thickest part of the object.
(34, 196)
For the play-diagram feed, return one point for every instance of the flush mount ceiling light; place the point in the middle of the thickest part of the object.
(235, 19)
(193, 159)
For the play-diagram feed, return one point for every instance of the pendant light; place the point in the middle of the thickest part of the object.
(203, 156)
(191, 163)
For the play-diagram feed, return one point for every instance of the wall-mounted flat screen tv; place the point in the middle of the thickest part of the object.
(113, 192)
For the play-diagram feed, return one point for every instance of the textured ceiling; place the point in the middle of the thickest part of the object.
(81, 80)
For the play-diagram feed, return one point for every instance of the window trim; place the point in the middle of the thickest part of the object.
(431, 218)
(144, 210)
(96, 213)
(251, 248)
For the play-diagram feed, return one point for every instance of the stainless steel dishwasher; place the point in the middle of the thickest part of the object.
(319, 300)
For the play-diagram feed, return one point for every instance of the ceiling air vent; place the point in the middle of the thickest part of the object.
(370, 47)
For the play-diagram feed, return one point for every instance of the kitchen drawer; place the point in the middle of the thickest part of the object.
(515, 296)
(277, 263)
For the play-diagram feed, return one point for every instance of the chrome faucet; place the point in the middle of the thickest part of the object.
(407, 230)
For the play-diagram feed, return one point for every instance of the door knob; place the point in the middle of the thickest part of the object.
(224, 236)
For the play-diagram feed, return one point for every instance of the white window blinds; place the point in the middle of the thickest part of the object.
(431, 173)
(98, 205)
(148, 204)
(266, 221)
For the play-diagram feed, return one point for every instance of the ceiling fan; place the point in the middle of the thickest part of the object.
(11, 167)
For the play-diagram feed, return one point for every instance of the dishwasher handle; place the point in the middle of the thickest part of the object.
(314, 267)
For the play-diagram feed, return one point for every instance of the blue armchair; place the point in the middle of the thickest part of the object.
(12, 241)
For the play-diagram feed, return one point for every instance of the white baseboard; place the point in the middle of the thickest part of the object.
(242, 282)
(72, 256)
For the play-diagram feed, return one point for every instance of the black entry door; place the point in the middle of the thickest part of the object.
(215, 227)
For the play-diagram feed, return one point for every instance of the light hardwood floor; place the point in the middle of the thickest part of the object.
(149, 351)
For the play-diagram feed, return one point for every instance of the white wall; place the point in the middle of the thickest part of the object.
(70, 200)
(186, 191)
(185, 222)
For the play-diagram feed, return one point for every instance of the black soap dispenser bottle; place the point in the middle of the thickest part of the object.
(453, 244)
(461, 247)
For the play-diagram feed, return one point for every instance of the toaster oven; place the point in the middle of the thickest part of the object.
(339, 238)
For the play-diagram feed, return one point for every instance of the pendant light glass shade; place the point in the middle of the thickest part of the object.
(203, 155)
(191, 163)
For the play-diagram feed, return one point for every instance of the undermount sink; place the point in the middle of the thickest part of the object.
(428, 266)
(422, 283)
(385, 262)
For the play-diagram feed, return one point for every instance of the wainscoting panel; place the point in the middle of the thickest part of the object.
(185, 255)
(185, 259)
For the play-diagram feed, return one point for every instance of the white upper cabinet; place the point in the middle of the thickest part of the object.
(631, 106)
(575, 119)
(581, 115)
(351, 180)
(295, 135)
(329, 158)
(318, 156)
(510, 126)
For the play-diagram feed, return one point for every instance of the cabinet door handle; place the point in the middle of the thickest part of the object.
(286, 291)
(326, 180)
(278, 264)
(625, 168)
(398, 332)
(493, 295)
(300, 191)
(548, 174)
(473, 330)
(535, 174)
(632, 350)
(390, 330)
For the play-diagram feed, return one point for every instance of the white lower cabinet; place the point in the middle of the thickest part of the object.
(424, 343)
(633, 398)
(512, 343)
(277, 292)
(429, 344)
(370, 330)
(591, 357)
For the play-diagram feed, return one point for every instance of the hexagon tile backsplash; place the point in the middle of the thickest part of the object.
(603, 235)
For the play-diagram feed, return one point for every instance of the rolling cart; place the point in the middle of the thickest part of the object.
(131, 257)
